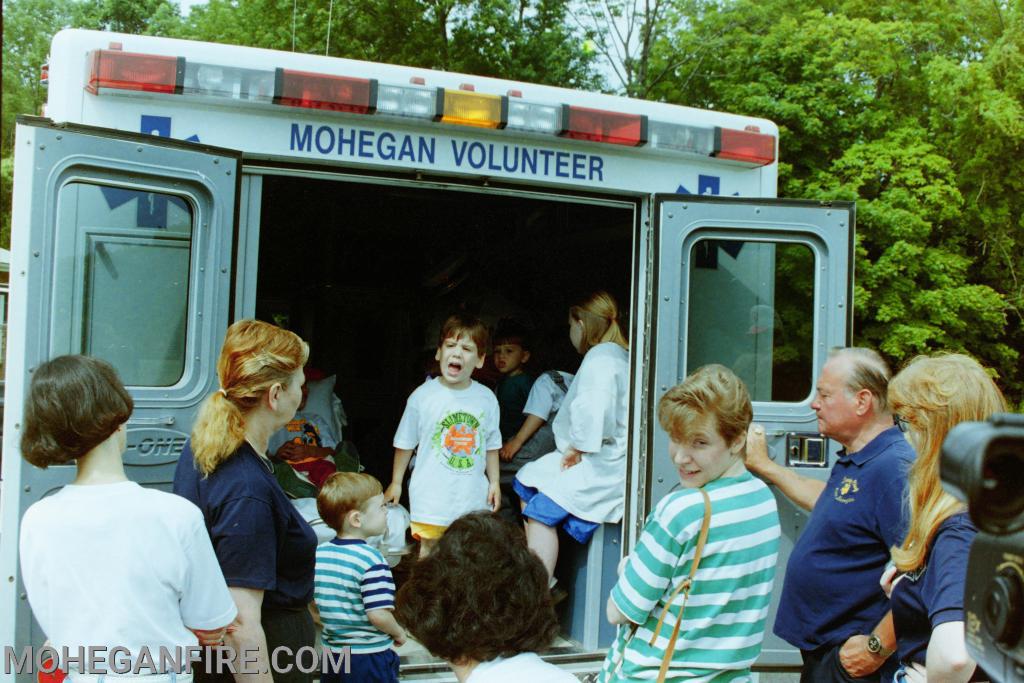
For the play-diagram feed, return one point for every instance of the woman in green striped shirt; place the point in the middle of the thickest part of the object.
(707, 418)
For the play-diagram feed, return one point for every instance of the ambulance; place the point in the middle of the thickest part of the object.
(173, 187)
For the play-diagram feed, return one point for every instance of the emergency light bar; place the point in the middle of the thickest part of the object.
(468, 108)
(580, 123)
(412, 101)
(744, 145)
(533, 117)
(131, 71)
(113, 70)
(319, 91)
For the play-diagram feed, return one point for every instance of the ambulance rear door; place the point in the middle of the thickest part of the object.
(121, 249)
(762, 286)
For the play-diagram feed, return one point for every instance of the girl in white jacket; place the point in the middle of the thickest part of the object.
(580, 485)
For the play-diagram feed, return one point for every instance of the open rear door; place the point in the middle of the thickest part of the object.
(762, 286)
(121, 249)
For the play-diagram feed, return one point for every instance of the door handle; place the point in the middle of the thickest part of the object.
(164, 420)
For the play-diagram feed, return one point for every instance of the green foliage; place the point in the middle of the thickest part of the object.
(916, 110)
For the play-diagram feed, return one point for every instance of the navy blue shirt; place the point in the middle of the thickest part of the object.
(934, 593)
(259, 537)
(831, 589)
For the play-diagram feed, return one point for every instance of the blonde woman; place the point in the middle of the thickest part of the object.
(265, 548)
(926, 586)
(579, 486)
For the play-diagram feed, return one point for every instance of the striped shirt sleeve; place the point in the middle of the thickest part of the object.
(378, 587)
(651, 564)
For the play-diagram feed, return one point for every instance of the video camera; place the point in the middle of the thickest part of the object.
(983, 464)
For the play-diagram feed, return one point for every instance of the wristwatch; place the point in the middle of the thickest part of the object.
(875, 646)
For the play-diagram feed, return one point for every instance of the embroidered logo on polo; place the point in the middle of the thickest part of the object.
(844, 492)
(457, 441)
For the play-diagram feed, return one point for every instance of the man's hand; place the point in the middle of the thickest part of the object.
(509, 450)
(494, 496)
(393, 493)
(857, 660)
(571, 458)
(756, 455)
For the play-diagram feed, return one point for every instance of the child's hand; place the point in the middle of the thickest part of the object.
(509, 450)
(400, 637)
(494, 496)
(571, 458)
(393, 493)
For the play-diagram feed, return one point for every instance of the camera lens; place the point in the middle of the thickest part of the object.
(1004, 608)
(1003, 470)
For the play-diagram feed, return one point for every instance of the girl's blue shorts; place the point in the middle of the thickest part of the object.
(547, 511)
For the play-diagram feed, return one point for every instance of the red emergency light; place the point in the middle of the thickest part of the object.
(596, 125)
(132, 71)
(744, 145)
(321, 91)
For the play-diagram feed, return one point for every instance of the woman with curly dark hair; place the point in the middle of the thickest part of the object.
(481, 603)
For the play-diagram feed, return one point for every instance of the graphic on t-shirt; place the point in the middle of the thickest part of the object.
(842, 492)
(305, 433)
(456, 441)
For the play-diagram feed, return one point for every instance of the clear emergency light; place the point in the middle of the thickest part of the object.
(681, 138)
(320, 91)
(112, 71)
(533, 117)
(412, 101)
(131, 71)
(207, 80)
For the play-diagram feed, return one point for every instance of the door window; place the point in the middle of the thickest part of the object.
(123, 279)
(752, 310)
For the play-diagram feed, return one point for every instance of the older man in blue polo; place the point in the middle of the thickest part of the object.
(832, 607)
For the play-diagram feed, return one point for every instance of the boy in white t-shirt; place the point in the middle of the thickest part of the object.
(453, 423)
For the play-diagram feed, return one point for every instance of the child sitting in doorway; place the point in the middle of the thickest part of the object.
(354, 590)
(452, 421)
(511, 354)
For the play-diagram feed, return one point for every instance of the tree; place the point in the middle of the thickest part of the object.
(912, 109)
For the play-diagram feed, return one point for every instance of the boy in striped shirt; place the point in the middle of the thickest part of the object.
(707, 418)
(353, 587)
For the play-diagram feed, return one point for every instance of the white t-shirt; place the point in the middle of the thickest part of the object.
(593, 419)
(452, 431)
(545, 396)
(118, 565)
(525, 666)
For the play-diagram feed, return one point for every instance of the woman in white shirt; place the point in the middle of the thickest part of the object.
(107, 563)
(580, 485)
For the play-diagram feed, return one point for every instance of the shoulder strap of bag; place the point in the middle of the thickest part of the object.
(684, 586)
(559, 381)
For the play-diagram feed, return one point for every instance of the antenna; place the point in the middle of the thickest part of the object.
(330, 15)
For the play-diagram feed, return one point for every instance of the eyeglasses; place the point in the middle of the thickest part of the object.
(902, 423)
